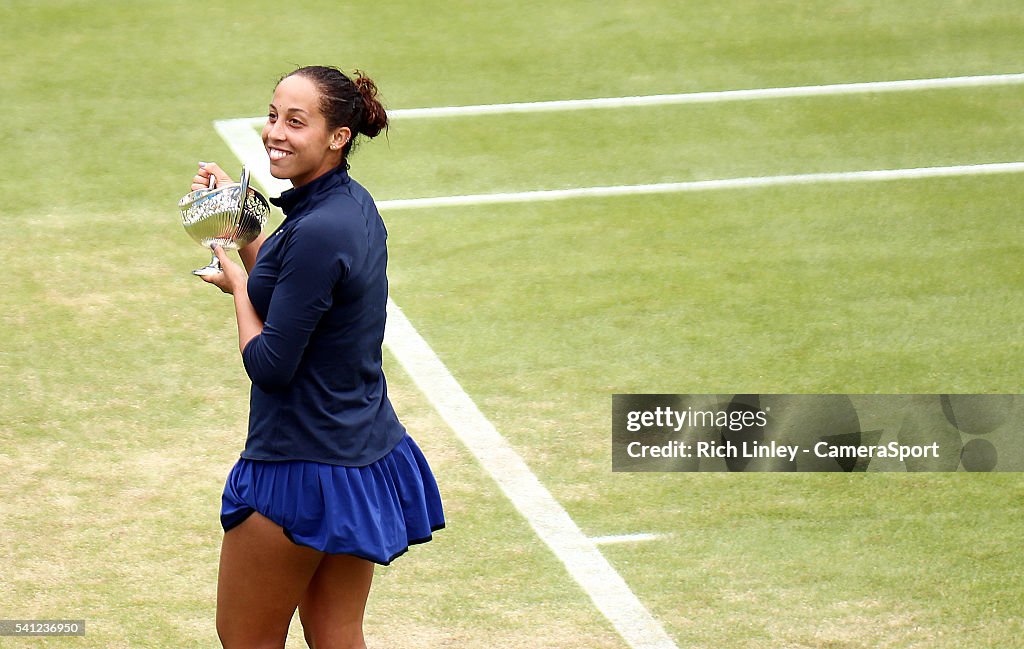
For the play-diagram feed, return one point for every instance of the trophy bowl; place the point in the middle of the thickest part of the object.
(230, 216)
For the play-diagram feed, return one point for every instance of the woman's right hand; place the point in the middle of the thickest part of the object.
(232, 276)
(202, 178)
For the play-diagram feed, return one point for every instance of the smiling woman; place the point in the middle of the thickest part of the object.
(329, 483)
(313, 119)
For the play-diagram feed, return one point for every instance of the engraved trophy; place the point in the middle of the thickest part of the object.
(231, 217)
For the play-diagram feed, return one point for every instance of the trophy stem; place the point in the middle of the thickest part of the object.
(212, 268)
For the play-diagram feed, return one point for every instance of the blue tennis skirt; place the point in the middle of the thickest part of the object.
(374, 512)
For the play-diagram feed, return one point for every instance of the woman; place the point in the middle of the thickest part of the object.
(329, 482)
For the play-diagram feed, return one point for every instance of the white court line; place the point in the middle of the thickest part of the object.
(700, 97)
(584, 562)
(606, 588)
(703, 185)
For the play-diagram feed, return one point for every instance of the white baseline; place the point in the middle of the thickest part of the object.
(715, 96)
(580, 555)
(875, 175)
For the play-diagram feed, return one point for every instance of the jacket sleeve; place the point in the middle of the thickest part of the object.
(321, 251)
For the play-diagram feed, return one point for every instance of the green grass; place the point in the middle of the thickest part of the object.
(883, 287)
(628, 146)
(123, 402)
(893, 287)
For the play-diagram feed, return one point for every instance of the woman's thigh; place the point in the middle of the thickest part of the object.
(332, 607)
(263, 576)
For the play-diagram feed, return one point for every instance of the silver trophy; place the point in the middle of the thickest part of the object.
(231, 217)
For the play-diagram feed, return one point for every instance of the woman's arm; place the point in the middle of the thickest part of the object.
(233, 280)
(315, 255)
(249, 324)
(249, 252)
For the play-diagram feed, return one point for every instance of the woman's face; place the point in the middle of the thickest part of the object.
(296, 137)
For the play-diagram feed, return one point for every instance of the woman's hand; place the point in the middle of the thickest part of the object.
(202, 178)
(232, 276)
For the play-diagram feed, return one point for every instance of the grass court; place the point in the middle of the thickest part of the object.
(123, 401)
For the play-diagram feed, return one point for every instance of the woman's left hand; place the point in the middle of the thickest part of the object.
(231, 277)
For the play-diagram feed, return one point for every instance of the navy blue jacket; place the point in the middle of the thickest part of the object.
(319, 285)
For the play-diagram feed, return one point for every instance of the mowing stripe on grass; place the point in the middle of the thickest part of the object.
(624, 538)
(584, 562)
(703, 185)
(716, 96)
(606, 588)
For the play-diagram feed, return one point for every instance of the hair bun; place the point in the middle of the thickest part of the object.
(375, 118)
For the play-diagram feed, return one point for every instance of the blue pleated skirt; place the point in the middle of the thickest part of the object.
(374, 512)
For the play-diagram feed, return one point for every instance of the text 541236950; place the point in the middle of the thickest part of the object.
(42, 627)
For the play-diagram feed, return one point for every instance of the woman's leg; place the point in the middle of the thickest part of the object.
(262, 578)
(332, 608)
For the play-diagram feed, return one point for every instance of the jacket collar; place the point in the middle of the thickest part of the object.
(295, 198)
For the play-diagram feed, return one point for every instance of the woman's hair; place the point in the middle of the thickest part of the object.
(347, 102)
